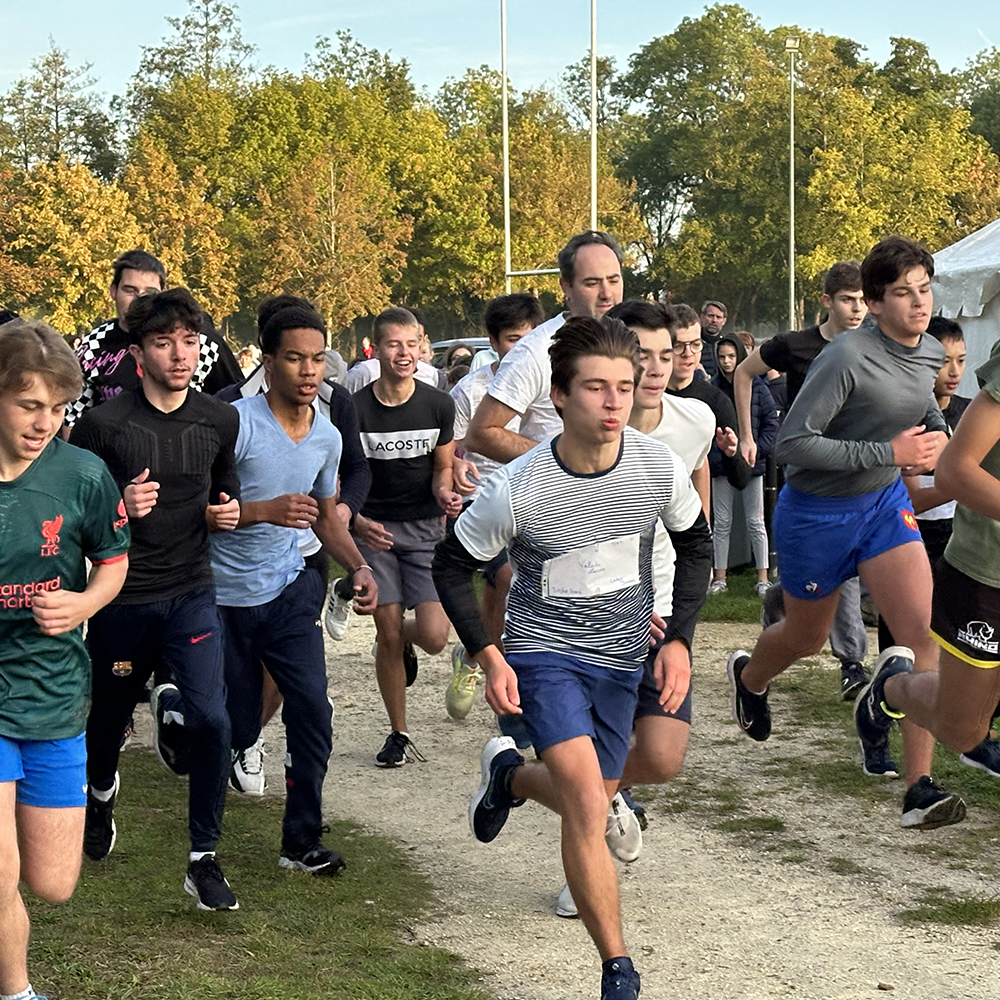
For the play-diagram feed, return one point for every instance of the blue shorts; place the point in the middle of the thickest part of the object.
(649, 697)
(562, 698)
(821, 540)
(49, 773)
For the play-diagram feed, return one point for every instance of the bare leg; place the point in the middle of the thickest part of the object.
(272, 699)
(389, 670)
(428, 629)
(13, 916)
(658, 753)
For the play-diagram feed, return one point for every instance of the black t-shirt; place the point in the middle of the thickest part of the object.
(952, 415)
(793, 353)
(191, 454)
(399, 442)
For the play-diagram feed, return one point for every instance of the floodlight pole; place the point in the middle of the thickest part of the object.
(593, 114)
(506, 146)
(791, 47)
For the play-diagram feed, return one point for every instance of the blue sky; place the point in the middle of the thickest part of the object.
(440, 38)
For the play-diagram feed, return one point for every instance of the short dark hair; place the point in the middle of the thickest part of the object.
(393, 316)
(508, 311)
(34, 348)
(844, 276)
(137, 260)
(6, 315)
(162, 313)
(582, 336)
(640, 313)
(941, 328)
(888, 261)
(271, 305)
(417, 313)
(682, 316)
(721, 306)
(589, 237)
(288, 317)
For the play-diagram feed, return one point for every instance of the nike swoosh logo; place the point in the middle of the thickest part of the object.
(198, 638)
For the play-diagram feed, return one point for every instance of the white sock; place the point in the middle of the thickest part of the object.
(101, 796)
(25, 994)
(193, 856)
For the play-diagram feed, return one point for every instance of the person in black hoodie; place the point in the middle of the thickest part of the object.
(764, 424)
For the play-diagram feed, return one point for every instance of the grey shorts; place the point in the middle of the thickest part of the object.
(403, 573)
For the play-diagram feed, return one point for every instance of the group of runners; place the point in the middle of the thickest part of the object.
(578, 468)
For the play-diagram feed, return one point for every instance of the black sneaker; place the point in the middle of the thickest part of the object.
(619, 980)
(927, 806)
(492, 803)
(99, 830)
(397, 750)
(986, 757)
(749, 710)
(853, 677)
(171, 740)
(877, 762)
(872, 717)
(637, 807)
(318, 860)
(205, 881)
(410, 664)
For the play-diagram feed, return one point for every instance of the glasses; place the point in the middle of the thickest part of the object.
(688, 346)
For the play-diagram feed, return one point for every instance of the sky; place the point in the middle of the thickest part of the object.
(441, 38)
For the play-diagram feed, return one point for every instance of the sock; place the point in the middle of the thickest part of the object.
(25, 994)
(198, 855)
(102, 795)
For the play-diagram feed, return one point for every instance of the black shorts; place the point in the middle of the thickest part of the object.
(649, 697)
(965, 617)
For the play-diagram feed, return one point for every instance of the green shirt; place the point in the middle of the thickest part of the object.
(65, 506)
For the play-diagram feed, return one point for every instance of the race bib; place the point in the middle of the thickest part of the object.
(594, 570)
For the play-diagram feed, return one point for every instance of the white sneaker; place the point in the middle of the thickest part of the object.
(565, 907)
(461, 691)
(623, 835)
(718, 587)
(338, 613)
(247, 774)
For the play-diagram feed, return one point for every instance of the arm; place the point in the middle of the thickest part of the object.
(224, 515)
(743, 393)
(924, 497)
(488, 432)
(330, 530)
(355, 473)
(767, 424)
(59, 611)
(443, 485)
(701, 479)
(959, 472)
(734, 465)
(291, 510)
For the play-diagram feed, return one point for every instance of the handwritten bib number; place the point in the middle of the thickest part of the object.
(594, 570)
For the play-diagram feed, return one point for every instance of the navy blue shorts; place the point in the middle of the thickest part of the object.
(49, 773)
(649, 697)
(821, 540)
(562, 698)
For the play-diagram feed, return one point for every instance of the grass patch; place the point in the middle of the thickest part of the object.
(131, 931)
(738, 604)
(752, 824)
(942, 907)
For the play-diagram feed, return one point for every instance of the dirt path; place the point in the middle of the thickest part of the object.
(811, 911)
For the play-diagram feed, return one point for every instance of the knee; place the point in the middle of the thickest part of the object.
(436, 641)
(50, 888)
(960, 735)
(585, 810)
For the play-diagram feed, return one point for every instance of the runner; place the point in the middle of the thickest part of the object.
(61, 507)
(579, 514)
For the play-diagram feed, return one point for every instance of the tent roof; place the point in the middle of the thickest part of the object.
(967, 274)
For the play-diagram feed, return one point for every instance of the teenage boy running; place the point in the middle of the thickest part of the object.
(60, 508)
(579, 513)
(865, 412)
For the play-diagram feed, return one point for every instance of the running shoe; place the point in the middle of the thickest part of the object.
(749, 710)
(718, 587)
(878, 762)
(986, 757)
(928, 806)
(247, 772)
(637, 807)
(760, 588)
(99, 830)
(622, 833)
(338, 611)
(465, 676)
(397, 750)
(205, 881)
(410, 664)
(872, 717)
(853, 677)
(619, 980)
(492, 802)
(318, 860)
(171, 740)
(565, 906)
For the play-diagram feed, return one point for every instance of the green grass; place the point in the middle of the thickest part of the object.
(940, 906)
(131, 932)
(738, 604)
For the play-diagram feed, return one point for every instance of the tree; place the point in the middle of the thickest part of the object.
(576, 91)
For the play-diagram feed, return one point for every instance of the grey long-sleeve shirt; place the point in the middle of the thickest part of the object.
(860, 392)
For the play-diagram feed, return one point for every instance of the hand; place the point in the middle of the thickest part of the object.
(913, 449)
(372, 534)
(224, 515)
(365, 592)
(501, 683)
(672, 675)
(657, 629)
(292, 510)
(463, 472)
(449, 501)
(59, 611)
(140, 495)
(940, 440)
(748, 448)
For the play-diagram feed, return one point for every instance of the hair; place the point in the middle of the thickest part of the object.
(449, 355)
(288, 317)
(590, 237)
(584, 337)
(457, 373)
(844, 276)
(645, 315)
(682, 316)
(888, 261)
(941, 328)
(506, 312)
(6, 315)
(417, 313)
(393, 316)
(721, 306)
(34, 348)
(748, 339)
(137, 260)
(271, 305)
(162, 313)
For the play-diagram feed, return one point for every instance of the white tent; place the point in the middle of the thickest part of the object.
(967, 288)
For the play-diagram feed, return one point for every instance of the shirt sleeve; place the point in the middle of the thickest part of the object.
(487, 524)
(685, 504)
(106, 534)
(222, 367)
(463, 411)
(520, 379)
(446, 419)
(775, 353)
(326, 479)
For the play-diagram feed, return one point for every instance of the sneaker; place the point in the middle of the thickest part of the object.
(772, 608)
(760, 588)
(410, 663)
(986, 757)
(338, 612)
(492, 803)
(205, 881)
(318, 860)
(170, 739)
(397, 750)
(749, 710)
(718, 587)
(622, 833)
(927, 806)
(619, 980)
(247, 772)
(637, 807)
(872, 717)
(853, 677)
(878, 762)
(461, 691)
(565, 907)
(99, 830)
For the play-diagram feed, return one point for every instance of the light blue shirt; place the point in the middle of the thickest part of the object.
(254, 564)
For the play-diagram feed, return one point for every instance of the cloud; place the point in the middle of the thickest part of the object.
(982, 35)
